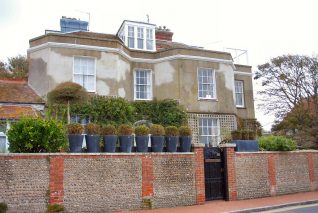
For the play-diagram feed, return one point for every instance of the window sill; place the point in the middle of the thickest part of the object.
(143, 99)
(208, 99)
(240, 107)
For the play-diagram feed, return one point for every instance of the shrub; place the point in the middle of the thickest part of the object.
(75, 128)
(172, 131)
(3, 207)
(92, 129)
(251, 135)
(141, 130)
(244, 134)
(108, 130)
(276, 143)
(55, 208)
(157, 130)
(165, 112)
(37, 135)
(105, 110)
(236, 135)
(185, 131)
(125, 129)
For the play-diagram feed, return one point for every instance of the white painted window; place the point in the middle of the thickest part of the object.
(206, 83)
(149, 39)
(84, 73)
(131, 37)
(143, 84)
(209, 131)
(140, 38)
(239, 93)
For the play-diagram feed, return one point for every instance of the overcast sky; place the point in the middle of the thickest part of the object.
(266, 28)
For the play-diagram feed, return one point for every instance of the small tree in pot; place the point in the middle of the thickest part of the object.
(75, 137)
(142, 138)
(126, 139)
(157, 137)
(110, 137)
(92, 137)
(185, 138)
(172, 137)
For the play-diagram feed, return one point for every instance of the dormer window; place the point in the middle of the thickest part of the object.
(138, 35)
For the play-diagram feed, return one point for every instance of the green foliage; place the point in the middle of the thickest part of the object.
(16, 68)
(165, 112)
(67, 92)
(108, 130)
(141, 130)
(3, 207)
(276, 143)
(55, 208)
(157, 130)
(106, 110)
(125, 129)
(185, 131)
(75, 128)
(236, 135)
(172, 131)
(37, 135)
(92, 129)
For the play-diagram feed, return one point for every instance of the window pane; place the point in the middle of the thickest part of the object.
(84, 72)
(206, 83)
(143, 84)
(209, 131)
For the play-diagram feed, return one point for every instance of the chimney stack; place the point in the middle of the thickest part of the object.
(163, 33)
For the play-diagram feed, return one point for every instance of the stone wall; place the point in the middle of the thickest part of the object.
(262, 174)
(24, 184)
(100, 182)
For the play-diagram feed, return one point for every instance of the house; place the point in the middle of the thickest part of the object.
(17, 100)
(142, 62)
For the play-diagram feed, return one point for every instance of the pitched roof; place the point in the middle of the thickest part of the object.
(16, 112)
(12, 91)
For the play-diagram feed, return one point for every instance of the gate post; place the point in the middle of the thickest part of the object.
(198, 149)
(230, 177)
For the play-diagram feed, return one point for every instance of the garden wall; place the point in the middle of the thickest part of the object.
(263, 174)
(101, 182)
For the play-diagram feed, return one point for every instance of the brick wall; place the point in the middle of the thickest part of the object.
(100, 182)
(263, 174)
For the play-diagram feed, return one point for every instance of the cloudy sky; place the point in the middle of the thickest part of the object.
(265, 28)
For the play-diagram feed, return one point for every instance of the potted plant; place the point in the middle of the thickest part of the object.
(75, 137)
(157, 137)
(110, 137)
(185, 138)
(126, 138)
(142, 138)
(251, 135)
(244, 134)
(236, 135)
(92, 137)
(172, 137)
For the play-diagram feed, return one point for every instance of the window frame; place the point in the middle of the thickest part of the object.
(78, 56)
(242, 93)
(140, 31)
(131, 37)
(217, 136)
(135, 85)
(213, 84)
(150, 38)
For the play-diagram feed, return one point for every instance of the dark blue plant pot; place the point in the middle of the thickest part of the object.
(142, 143)
(246, 145)
(185, 143)
(92, 143)
(76, 143)
(157, 143)
(110, 143)
(172, 142)
(126, 143)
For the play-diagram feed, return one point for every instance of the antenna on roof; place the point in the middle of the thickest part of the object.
(89, 18)
(147, 18)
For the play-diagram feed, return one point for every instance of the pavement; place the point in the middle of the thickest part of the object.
(252, 205)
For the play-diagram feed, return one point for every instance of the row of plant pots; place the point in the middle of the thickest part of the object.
(243, 134)
(171, 135)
